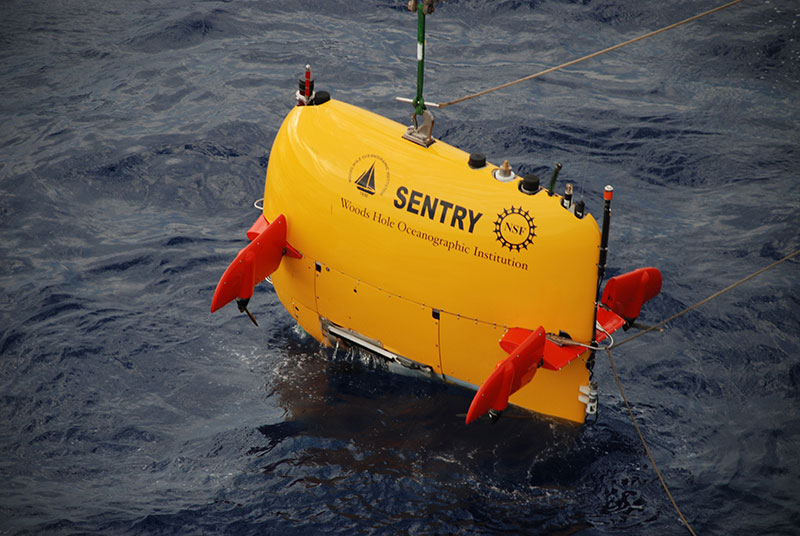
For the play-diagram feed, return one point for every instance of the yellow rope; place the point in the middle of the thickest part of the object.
(673, 317)
(592, 55)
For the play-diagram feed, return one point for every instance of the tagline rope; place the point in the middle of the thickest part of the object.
(590, 56)
(644, 444)
(652, 328)
(708, 299)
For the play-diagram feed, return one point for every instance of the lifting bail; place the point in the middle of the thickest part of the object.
(421, 134)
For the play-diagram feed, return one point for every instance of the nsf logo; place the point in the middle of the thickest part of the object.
(514, 228)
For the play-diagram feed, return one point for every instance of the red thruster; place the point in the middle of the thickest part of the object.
(253, 263)
(511, 374)
(625, 294)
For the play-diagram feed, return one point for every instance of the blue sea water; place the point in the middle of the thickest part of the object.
(135, 136)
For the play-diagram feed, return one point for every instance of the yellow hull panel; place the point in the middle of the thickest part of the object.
(410, 247)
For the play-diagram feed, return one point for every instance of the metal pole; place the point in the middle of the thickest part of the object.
(419, 102)
(608, 194)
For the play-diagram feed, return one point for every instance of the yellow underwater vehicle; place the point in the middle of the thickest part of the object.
(377, 234)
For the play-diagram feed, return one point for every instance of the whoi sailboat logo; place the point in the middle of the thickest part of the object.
(366, 182)
(370, 174)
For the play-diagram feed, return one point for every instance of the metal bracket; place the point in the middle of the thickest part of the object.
(428, 6)
(589, 397)
(332, 332)
(302, 98)
(421, 134)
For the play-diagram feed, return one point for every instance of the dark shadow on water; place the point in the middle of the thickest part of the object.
(352, 396)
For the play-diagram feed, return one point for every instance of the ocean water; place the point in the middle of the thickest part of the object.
(135, 136)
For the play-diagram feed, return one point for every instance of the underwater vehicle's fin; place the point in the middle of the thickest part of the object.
(528, 350)
(554, 357)
(625, 294)
(253, 263)
(512, 373)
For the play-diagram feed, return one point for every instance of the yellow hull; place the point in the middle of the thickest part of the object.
(427, 258)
